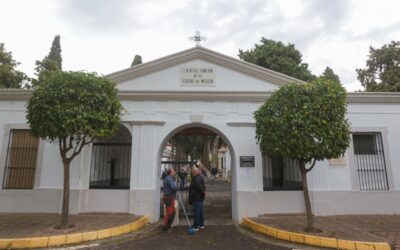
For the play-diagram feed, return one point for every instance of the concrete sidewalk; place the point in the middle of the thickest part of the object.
(19, 225)
(379, 228)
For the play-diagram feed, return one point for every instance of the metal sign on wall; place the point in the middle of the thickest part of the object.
(247, 161)
(198, 76)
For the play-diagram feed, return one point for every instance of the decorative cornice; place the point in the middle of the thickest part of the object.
(355, 97)
(241, 124)
(207, 55)
(15, 94)
(194, 96)
(155, 123)
(373, 97)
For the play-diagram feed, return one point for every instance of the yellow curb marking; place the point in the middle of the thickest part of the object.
(329, 242)
(314, 240)
(364, 245)
(102, 234)
(381, 246)
(20, 243)
(5, 243)
(115, 231)
(58, 240)
(38, 242)
(87, 236)
(346, 244)
(74, 238)
(296, 237)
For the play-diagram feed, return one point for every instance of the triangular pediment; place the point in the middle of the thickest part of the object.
(201, 55)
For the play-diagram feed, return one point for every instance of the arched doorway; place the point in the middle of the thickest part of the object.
(217, 164)
(111, 161)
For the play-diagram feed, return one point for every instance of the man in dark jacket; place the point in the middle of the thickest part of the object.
(197, 192)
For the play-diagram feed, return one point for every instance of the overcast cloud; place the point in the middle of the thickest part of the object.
(103, 35)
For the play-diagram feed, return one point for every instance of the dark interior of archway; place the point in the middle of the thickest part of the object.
(110, 166)
(202, 147)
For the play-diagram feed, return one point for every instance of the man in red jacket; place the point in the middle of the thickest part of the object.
(169, 194)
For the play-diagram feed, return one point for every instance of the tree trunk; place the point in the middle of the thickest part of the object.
(65, 203)
(310, 218)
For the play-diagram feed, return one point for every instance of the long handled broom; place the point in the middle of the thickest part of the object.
(191, 230)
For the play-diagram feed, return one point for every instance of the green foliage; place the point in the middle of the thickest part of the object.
(329, 75)
(74, 105)
(304, 122)
(382, 72)
(137, 60)
(52, 62)
(9, 76)
(72, 108)
(55, 52)
(285, 59)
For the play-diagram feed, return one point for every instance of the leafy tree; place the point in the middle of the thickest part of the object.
(71, 109)
(52, 62)
(329, 75)
(382, 72)
(273, 55)
(306, 123)
(9, 76)
(137, 60)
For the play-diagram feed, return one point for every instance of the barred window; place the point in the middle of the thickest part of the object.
(281, 174)
(21, 160)
(370, 161)
(111, 161)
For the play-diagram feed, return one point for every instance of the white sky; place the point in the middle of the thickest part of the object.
(104, 35)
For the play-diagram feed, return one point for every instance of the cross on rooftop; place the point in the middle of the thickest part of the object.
(197, 38)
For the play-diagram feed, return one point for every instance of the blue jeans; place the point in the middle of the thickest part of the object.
(198, 214)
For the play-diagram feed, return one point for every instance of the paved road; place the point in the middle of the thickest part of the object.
(220, 231)
(212, 237)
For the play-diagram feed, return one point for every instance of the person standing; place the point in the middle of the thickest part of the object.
(214, 172)
(182, 177)
(169, 194)
(197, 192)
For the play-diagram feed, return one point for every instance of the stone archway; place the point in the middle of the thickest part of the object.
(203, 128)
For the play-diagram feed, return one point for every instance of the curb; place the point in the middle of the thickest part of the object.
(312, 240)
(73, 238)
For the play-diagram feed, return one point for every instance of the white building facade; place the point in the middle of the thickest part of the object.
(201, 88)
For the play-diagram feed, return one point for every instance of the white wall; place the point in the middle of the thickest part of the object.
(328, 183)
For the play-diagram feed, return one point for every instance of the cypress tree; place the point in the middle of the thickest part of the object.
(136, 60)
(51, 63)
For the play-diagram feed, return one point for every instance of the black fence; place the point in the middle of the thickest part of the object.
(111, 166)
(281, 174)
(370, 161)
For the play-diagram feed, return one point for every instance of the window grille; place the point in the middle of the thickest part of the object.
(370, 161)
(21, 160)
(281, 174)
(111, 161)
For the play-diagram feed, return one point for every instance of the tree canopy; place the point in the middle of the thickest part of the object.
(136, 60)
(74, 104)
(304, 122)
(382, 72)
(52, 62)
(329, 75)
(273, 55)
(10, 77)
(71, 109)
